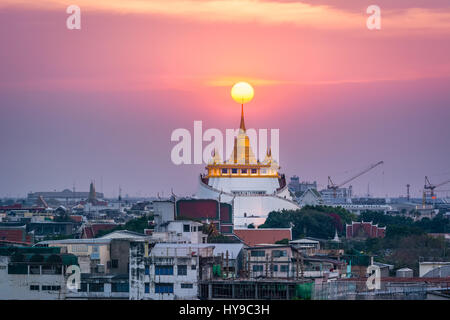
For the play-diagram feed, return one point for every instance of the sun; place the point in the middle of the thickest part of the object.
(242, 92)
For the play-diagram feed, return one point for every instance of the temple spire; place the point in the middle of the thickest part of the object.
(242, 126)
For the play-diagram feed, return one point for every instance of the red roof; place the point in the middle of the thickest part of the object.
(253, 237)
(14, 234)
(76, 218)
(91, 231)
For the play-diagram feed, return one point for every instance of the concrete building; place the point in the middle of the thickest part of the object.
(106, 255)
(102, 287)
(306, 246)
(339, 195)
(34, 273)
(271, 261)
(180, 231)
(296, 186)
(426, 267)
(163, 211)
(167, 272)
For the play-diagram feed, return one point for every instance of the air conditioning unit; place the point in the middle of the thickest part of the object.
(100, 268)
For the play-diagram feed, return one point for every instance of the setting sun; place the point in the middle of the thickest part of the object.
(242, 92)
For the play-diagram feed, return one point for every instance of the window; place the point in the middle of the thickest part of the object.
(164, 270)
(279, 253)
(186, 228)
(257, 268)
(224, 171)
(120, 287)
(96, 287)
(51, 288)
(83, 287)
(254, 171)
(114, 263)
(182, 270)
(244, 171)
(193, 267)
(79, 248)
(147, 287)
(258, 253)
(147, 270)
(234, 171)
(163, 287)
(275, 268)
(284, 268)
(187, 286)
(34, 288)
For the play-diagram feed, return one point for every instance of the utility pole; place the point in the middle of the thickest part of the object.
(227, 263)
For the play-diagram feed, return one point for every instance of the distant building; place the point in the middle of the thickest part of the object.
(310, 197)
(339, 195)
(66, 195)
(296, 186)
(15, 234)
(91, 230)
(364, 230)
(50, 228)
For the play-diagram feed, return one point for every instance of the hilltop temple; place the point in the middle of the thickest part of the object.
(252, 187)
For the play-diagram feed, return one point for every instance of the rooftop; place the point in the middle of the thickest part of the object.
(253, 237)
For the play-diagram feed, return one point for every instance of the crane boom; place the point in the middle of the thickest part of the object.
(442, 183)
(360, 173)
(332, 185)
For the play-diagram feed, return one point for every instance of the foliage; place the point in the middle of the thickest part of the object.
(220, 238)
(311, 221)
(283, 241)
(136, 225)
(399, 226)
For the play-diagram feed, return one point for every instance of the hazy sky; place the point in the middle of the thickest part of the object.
(101, 103)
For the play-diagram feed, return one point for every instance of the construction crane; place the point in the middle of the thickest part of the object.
(332, 185)
(429, 187)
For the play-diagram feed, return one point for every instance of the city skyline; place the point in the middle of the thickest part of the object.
(100, 103)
